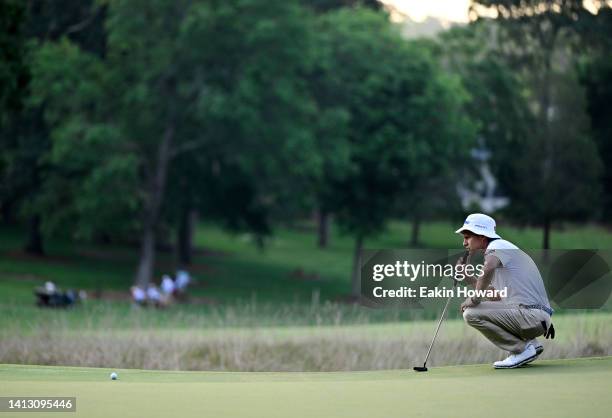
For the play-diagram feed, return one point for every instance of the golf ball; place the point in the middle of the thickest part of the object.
(113, 376)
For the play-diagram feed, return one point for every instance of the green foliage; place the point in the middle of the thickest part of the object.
(88, 158)
(498, 95)
(404, 119)
(81, 22)
(216, 119)
(12, 56)
(26, 138)
(13, 76)
(596, 77)
(572, 189)
(253, 103)
(251, 111)
(539, 39)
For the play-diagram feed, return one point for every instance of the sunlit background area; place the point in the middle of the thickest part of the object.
(445, 10)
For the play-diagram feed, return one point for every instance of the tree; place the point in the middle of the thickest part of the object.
(120, 123)
(596, 77)
(573, 190)
(12, 62)
(597, 80)
(329, 123)
(404, 118)
(13, 77)
(257, 113)
(537, 38)
(25, 138)
(497, 103)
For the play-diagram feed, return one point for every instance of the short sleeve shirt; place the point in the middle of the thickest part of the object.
(518, 273)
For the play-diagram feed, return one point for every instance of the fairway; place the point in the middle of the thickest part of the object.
(555, 388)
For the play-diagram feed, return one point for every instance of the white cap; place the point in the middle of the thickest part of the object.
(479, 224)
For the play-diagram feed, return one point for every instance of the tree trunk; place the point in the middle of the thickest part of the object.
(186, 234)
(260, 242)
(546, 240)
(416, 226)
(545, 104)
(147, 258)
(34, 245)
(356, 279)
(153, 203)
(323, 228)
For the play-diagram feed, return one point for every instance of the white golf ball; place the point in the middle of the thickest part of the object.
(113, 376)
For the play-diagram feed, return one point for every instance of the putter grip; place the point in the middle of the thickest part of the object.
(464, 257)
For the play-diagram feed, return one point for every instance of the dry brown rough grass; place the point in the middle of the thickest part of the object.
(329, 348)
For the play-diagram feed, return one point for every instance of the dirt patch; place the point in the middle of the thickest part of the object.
(300, 274)
(110, 295)
(121, 296)
(106, 255)
(55, 259)
(31, 278)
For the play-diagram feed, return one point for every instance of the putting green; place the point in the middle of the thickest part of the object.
(555, 388)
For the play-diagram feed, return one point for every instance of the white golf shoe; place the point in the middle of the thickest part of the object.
(539, 349)
(517, 360)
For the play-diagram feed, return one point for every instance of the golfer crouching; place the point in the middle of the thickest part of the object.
(512, 323)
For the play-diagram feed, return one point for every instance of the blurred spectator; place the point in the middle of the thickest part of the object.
(50, 296)
(167, 285)
(167, 290)
(154, 296)
(139, 296)
(182, 280)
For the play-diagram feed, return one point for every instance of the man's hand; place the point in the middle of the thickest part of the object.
(494, 298)
(463, 259)
(468, 303)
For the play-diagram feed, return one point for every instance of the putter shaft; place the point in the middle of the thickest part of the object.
(438, 326)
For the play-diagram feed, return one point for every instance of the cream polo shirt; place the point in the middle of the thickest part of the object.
(518, 273)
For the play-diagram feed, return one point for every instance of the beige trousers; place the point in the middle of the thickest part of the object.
(507, 326)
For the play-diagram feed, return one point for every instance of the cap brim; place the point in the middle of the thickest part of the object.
(467, 228)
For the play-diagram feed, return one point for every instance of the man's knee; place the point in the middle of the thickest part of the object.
(471, 316)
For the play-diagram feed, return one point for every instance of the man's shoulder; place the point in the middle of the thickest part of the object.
(501, 249)
(501, 244)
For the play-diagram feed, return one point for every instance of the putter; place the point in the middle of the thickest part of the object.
(424, 368)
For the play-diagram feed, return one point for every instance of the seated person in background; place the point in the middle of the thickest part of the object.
(155, 298)
(167, 285)
(50, 296)
(182, 281)
(47, 295)
(167, 289)
(139, 297)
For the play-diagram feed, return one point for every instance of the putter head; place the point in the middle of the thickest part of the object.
(420, 369)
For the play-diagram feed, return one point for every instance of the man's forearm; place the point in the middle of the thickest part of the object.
(471, 280)
(484, 281)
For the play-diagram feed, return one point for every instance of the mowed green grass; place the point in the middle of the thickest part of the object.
(290, 269)
(556, 388)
